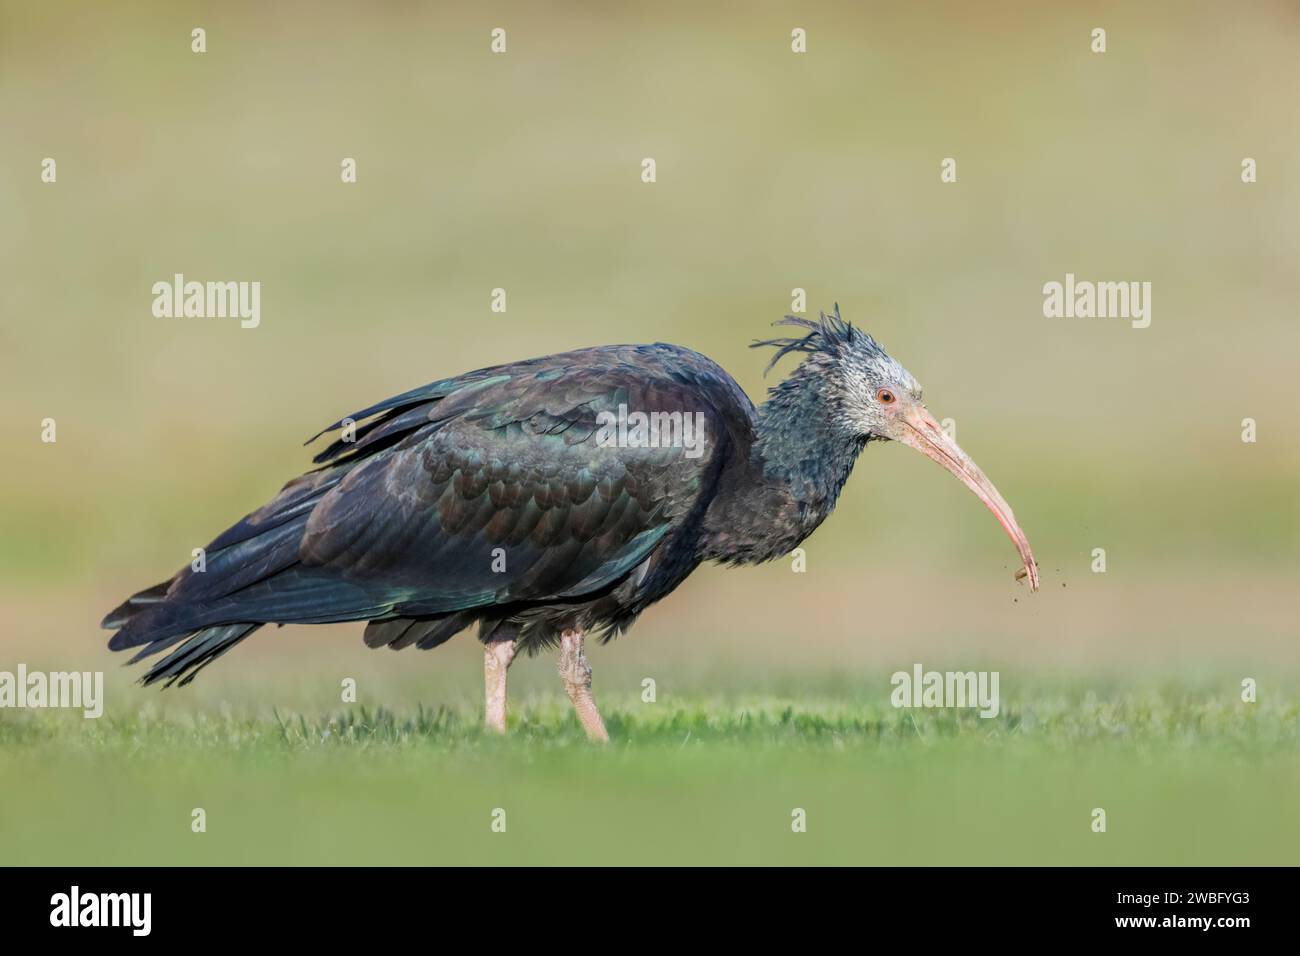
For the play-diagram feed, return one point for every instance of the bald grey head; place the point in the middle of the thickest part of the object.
(863, 387)
(850, 380)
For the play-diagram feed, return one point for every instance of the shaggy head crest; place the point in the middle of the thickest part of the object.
(830, 335)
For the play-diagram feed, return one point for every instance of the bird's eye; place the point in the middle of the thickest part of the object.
(885, 396)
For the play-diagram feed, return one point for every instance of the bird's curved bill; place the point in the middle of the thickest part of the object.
(923, 433)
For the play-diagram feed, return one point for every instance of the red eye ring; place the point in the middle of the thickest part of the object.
(885, 396)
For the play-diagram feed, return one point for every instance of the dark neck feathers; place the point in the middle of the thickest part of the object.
(777, 495)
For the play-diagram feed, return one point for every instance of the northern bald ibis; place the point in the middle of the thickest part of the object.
(547, 499)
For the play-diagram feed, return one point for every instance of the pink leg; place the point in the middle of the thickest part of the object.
(576, 673)
(496, 661)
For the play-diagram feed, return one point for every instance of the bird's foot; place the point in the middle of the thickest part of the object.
(576, 674)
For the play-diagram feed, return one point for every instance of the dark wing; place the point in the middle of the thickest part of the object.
(488, 489)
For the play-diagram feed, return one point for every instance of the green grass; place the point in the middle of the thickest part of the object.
(1186, 776)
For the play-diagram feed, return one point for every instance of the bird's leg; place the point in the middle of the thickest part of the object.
(576, 674)
(496, 661)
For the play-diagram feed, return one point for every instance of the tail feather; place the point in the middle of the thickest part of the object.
(198, 651)
(135, 604)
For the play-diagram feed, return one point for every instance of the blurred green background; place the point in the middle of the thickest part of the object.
(775, 171)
